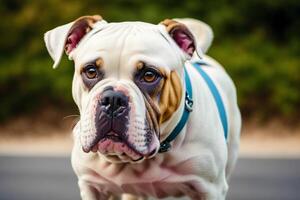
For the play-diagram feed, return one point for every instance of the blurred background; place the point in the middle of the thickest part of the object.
(257, 41)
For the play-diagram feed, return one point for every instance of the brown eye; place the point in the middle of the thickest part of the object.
(149, 76)
(91, 72)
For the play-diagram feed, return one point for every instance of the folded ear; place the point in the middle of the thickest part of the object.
(67, 37)
(201, 31)
(182, 36)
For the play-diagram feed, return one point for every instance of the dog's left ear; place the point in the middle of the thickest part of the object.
(68, 36)
(182, 36)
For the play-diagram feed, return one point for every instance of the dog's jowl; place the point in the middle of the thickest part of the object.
(158, 117)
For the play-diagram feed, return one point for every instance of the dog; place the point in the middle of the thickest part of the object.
(158, 117)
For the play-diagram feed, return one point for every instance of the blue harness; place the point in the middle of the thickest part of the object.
(166, 144)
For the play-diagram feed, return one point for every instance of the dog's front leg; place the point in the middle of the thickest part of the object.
(87, 192)
(132, 197)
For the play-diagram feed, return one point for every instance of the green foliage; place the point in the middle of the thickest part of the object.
(257, 42)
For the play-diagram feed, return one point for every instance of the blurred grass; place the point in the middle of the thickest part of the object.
(256, 41)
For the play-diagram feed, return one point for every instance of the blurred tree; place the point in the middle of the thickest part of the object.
(257, 42)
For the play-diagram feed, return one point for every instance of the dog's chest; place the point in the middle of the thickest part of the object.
(147, 178)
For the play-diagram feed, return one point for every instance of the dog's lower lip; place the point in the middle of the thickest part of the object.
(117, 139)
(94, 147)
(120, 148)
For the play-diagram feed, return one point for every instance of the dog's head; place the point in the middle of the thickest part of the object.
(127, 81)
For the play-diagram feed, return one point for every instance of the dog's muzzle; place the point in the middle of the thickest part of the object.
(112, 127)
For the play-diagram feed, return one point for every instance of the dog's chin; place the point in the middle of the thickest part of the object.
(115, 150)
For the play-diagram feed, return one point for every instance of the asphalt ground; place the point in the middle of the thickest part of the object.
(52, 178)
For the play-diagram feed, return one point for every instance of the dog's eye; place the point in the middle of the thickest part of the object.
(91, 75)
(149, 76)
(91, 72)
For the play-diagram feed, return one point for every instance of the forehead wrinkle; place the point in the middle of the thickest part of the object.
(134, 43)
(102, 43)
(126, 40)
(123, 42)
(144, 44)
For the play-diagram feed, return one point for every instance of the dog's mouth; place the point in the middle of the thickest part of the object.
(114, 137)
(118, 149)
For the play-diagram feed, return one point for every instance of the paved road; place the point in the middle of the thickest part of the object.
(51, 178)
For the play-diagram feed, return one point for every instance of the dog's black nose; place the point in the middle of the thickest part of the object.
(114, 102)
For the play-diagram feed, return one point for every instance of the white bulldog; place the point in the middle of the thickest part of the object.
(130, 85)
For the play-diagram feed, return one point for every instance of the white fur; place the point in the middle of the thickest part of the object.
(200, 161)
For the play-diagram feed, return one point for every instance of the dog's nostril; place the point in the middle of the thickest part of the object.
(113, 101)
(105, 101)
(119, 102)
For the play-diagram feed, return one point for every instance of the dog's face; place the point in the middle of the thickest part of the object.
(127, 81)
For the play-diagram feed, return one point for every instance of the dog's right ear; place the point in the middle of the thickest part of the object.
(68, 36)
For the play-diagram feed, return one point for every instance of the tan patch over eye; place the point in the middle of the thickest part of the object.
(99, 63)
(170, 96)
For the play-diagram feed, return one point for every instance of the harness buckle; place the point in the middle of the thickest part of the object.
(188, 103)
(164, 147)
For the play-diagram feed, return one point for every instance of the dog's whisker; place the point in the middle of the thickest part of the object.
(75, 120)
(70, 116)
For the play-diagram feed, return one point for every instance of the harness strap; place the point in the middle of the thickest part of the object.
(214, 91)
